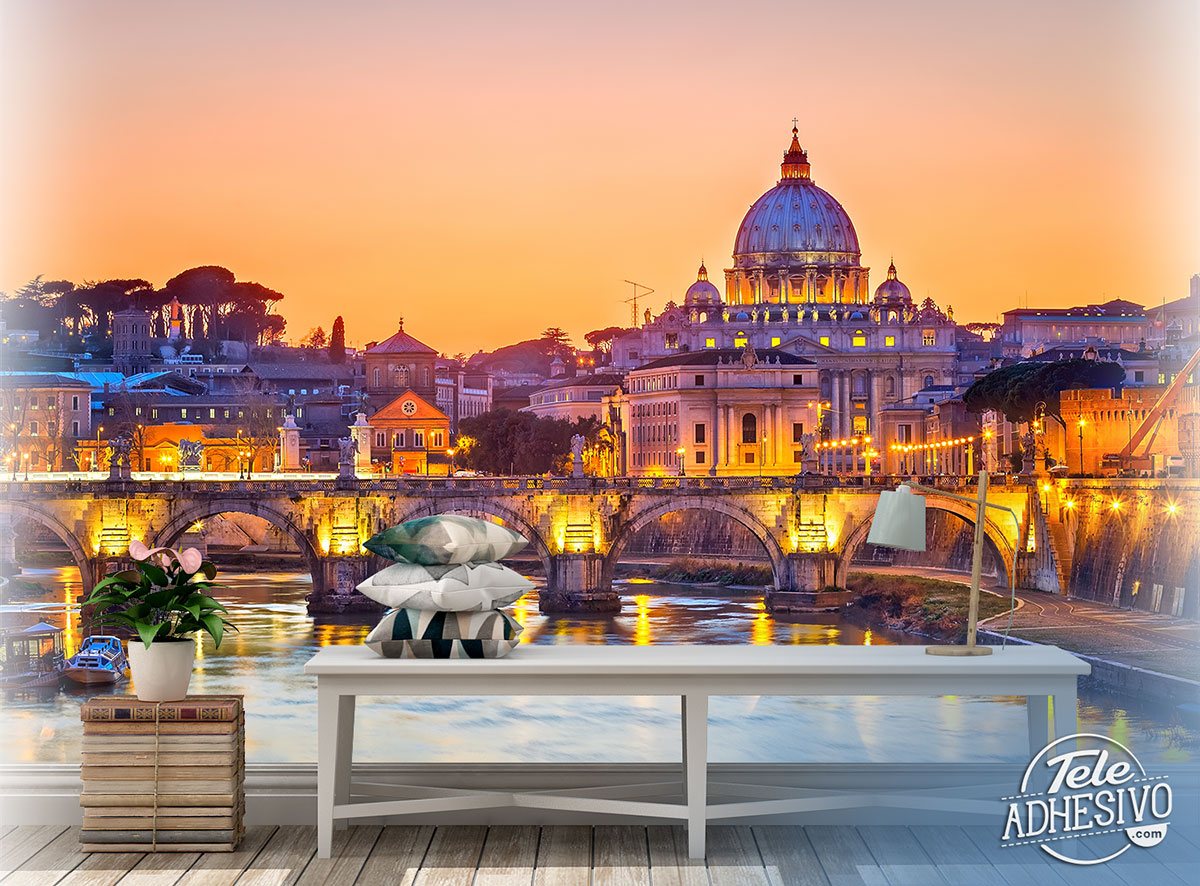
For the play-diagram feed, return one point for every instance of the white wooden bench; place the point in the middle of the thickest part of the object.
(691, 673)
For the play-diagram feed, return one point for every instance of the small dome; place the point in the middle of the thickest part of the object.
(702, 292)
(891, 289)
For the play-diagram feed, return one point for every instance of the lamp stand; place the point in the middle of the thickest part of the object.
(976, 569)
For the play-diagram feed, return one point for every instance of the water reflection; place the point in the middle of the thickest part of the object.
(264, 662)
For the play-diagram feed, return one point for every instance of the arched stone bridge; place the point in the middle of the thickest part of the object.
(809, 528)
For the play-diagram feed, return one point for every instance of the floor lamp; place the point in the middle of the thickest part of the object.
(899, 522)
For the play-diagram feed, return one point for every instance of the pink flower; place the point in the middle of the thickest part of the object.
(189, 559)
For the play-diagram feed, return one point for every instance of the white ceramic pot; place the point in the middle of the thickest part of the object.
(162, 672)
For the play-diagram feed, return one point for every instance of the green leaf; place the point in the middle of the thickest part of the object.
(155, 574)
(208, 570)
(148, 632)
(211, 605)
(215, 626)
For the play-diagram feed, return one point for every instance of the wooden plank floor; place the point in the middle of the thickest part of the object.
(411, 855)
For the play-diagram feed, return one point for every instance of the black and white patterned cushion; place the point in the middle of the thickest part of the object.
(416, 633)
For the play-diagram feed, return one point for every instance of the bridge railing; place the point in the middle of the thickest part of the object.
(292, 484)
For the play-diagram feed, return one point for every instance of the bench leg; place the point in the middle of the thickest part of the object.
(345, 753)
(1038, 710)
(1066, 720)
(695, 736)
(328, 707)
(683, 741)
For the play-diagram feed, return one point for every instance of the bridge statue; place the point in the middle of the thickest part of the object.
(1028, 451)
(191, 455)
(347, 456)
(577, 444)
(118, 461)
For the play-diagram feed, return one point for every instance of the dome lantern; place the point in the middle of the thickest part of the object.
(795, 161)
(892, 291)
(702, 292)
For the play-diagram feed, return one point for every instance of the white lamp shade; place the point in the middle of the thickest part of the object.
(899, 521)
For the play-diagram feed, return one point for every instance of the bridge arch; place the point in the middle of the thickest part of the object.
(484, 509)
(992, 533)
(746, 518)
(87, 574)
(202, 510)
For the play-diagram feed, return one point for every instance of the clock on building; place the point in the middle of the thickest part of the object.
(409, 407)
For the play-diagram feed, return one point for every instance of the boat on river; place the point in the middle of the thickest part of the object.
(31, 657)
(99, 661)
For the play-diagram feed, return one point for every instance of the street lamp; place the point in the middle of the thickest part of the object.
(680, 452)
(822, 406)
(1082, 423)
(25, 457)
(96, 460)
(450, 461)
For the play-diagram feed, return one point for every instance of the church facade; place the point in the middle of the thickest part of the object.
(797, 285)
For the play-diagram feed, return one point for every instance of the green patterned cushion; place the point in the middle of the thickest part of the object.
(417, 633)
(445, 539)
(462, 588)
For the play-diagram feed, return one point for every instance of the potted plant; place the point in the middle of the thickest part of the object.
(165, 599)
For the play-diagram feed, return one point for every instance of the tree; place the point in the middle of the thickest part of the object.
(337, 341)
(602, 339)
(1016, 390)
(315, 339)
(201, 291)
(504, 442)
(557, 342)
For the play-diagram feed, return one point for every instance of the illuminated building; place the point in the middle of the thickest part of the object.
(131, 341)
(571, 399)
(732, 412)
(411, 436)
(42, 418)
(798, 285)
(1026, 331)
(397, 364)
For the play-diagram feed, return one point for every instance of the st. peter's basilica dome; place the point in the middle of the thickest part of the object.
(796, 223)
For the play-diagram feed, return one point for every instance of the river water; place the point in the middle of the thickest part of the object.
(264, 662)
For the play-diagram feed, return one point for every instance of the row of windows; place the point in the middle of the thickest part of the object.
(35, 428)
(644, 410)
(653, 383)
(196, 412)
(437, 439)
(400, 376)
(655, 433)
(857, 340)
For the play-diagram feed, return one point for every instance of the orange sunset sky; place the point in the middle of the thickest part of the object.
(490, 169)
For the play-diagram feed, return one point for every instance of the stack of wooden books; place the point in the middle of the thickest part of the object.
(163, 776)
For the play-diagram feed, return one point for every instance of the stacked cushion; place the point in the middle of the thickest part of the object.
(469, 587)
(446, 539)
(445, 589)
(415, 633)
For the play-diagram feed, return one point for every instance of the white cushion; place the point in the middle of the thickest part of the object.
(468, 587)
